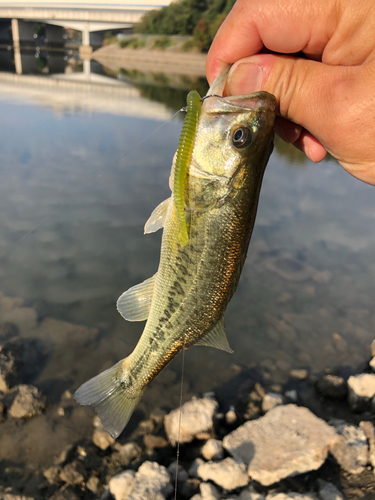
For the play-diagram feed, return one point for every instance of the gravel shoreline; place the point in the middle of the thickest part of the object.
(311, 439)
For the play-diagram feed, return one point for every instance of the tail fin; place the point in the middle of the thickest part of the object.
(108, 394)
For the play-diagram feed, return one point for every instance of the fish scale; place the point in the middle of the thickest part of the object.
(185, 302)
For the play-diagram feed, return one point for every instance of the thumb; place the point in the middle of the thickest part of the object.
(309, 93)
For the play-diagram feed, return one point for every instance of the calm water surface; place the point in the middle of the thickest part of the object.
(75, 192)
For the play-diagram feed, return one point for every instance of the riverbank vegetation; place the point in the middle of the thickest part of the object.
(197, 19)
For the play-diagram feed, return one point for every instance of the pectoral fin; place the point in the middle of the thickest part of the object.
(216, 338)
(157, 218)
(135, 303)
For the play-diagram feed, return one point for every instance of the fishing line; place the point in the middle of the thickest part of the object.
(179, 420)
(85, 186)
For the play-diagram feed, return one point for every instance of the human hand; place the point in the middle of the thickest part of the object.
(326, 99)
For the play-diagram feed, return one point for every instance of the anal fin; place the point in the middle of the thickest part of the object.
(135, 303)
(216, 338)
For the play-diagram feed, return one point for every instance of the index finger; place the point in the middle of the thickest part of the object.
(283, 26)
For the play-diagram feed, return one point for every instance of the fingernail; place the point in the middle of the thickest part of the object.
(244, 79)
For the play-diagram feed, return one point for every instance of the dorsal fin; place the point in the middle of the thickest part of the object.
(135, 303)
(216, 337)
(157, 218)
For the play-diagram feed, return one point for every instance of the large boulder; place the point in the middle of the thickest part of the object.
(288, 440)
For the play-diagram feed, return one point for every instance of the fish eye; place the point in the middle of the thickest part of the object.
(241, 137)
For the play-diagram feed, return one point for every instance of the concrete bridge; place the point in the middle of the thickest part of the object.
(88, 16)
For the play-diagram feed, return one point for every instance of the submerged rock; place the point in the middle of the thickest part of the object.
(10, 364)
(227, 473)
(197, 417)
(332, 386)
(270, 400)
(102, 439)
(10, 496)
(128, 452)
(73, 473)
(287, 441)
(28, 402)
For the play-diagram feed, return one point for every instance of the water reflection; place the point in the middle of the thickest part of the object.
(305, 297)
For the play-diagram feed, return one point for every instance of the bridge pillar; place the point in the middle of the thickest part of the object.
(85, 49)
(16, 46)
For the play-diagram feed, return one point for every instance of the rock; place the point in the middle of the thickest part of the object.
(7, 330)
(151, 481)
(270, 400)
(182, 475)
(145, 427)
(10, 364)
(28, 402)
(350, 450)
(102, 439)
(288, 440)
(193, 469)
(152, 441)
(251, 494)
(372, 363)
(197, 417)
(368, 429)
(209, 492)
(10, 496)
(231, 416)
(64, 494)
(213, 450)
(291, 496)
(289, 268)
(332, 386)
(299, 374)
(73, 473)
(189, 488)
(361, 390)
(121, 484)
(129, 452)
(292, 395)
(227, 473)
(328, 491)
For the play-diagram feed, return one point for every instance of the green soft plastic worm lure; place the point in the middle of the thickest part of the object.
(184, 151)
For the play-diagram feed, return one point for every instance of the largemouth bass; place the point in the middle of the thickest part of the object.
(185, 301)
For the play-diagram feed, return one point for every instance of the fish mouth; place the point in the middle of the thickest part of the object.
(241, 103)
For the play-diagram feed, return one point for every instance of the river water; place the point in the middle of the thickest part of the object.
(84, 159)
